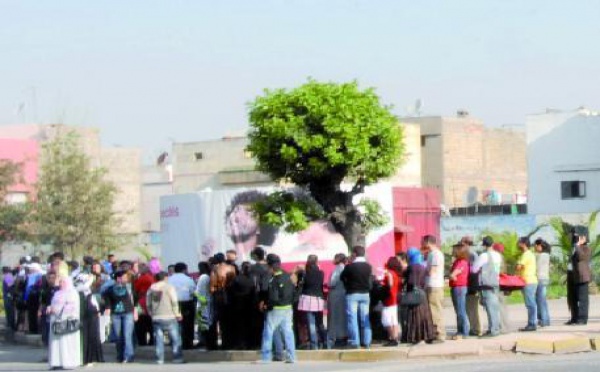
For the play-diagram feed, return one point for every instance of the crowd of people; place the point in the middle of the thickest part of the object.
(258, 305)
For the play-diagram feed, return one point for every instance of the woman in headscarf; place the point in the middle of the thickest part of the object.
(64, 351)
(337, 328)
(420, 324)
(90, 320)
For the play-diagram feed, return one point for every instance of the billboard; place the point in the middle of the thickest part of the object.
(196, 226)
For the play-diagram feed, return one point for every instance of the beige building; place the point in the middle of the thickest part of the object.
(123, 165)
(470, 163)
(225, 163)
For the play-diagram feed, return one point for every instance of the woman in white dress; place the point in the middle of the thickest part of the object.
(64, 351)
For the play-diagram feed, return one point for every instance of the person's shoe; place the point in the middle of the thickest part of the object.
(391, 343)
(160, 362)
(475, 334)
(528, 329)
(580, 323)
(436, 341)
(178, 361)
(570, 322)
(456, 337)
(490, 335)
(289, 361)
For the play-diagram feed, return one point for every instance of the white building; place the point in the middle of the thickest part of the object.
(563, 158)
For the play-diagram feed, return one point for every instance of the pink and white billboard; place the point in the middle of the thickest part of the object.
(196, 226)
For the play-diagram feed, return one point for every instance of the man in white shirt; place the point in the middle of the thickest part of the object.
(435, 285)
(185, 286)
(488, 263)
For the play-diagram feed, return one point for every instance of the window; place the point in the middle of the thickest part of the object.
(572, 189)
(198, 156)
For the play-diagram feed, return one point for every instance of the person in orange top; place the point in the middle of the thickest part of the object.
(143, 327)
(389, 314)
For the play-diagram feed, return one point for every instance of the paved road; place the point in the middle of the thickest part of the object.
(22, 358)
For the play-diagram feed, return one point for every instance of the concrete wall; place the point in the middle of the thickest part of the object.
(191, 174)
(409, 173)
(155, 183)
(563, 146)
(124, 170)
(462, 158)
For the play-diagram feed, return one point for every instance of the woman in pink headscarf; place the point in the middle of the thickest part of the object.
(154, 266)
(64, 351)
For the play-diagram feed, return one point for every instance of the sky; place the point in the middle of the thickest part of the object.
(151, 72)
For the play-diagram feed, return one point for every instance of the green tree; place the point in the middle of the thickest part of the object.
(74, 208)
(14, 225)
(319, 136)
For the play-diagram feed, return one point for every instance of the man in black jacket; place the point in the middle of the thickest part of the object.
(279, 311)
(357, 281)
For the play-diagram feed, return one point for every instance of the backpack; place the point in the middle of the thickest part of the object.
(281, 290)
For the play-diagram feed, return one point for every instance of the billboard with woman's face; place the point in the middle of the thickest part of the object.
(215, 221)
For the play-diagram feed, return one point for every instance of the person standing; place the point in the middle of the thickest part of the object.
(143, 327)
(185, 287)
(488, 264)
(542, 263)
(526, 267)
(278, 307)
(64, 351)
(357, 281)
(8, 280)
(581, 279)
(459, 274)
(90, 320)
(48, 289)
(261, 274)
(221, 278)
(242, 301)
(119, 302)
(419, 325)
(389, 313)
(473, 294)
(504, 323)
(163, 308)
(337, 329)
(204, 303)
(311, 303)
(435, 285)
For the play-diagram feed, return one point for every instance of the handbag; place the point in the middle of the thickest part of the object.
(65, 326)
(412, 298)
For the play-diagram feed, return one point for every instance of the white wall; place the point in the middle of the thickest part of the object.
(563, 146)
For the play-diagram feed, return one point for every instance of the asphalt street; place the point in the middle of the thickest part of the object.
(23, 358)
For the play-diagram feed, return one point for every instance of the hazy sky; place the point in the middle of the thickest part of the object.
(148, 72)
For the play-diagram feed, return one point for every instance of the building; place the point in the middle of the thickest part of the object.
(214, 164)
(469, 163)
(24, 152)
(225, 163)
(123, 164)
(563, 158)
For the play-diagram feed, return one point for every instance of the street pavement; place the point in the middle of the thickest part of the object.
(472, 354)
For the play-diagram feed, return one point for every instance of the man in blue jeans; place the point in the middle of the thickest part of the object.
(123, 314)
(163, 307)
(488, 264)
(357, 281)
(527, 269)
(279, 312)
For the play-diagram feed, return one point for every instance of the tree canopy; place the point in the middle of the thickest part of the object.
(13, 217)
(74, 208)
(318, 137)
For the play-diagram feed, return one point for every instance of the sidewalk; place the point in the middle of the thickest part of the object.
(558, 338)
